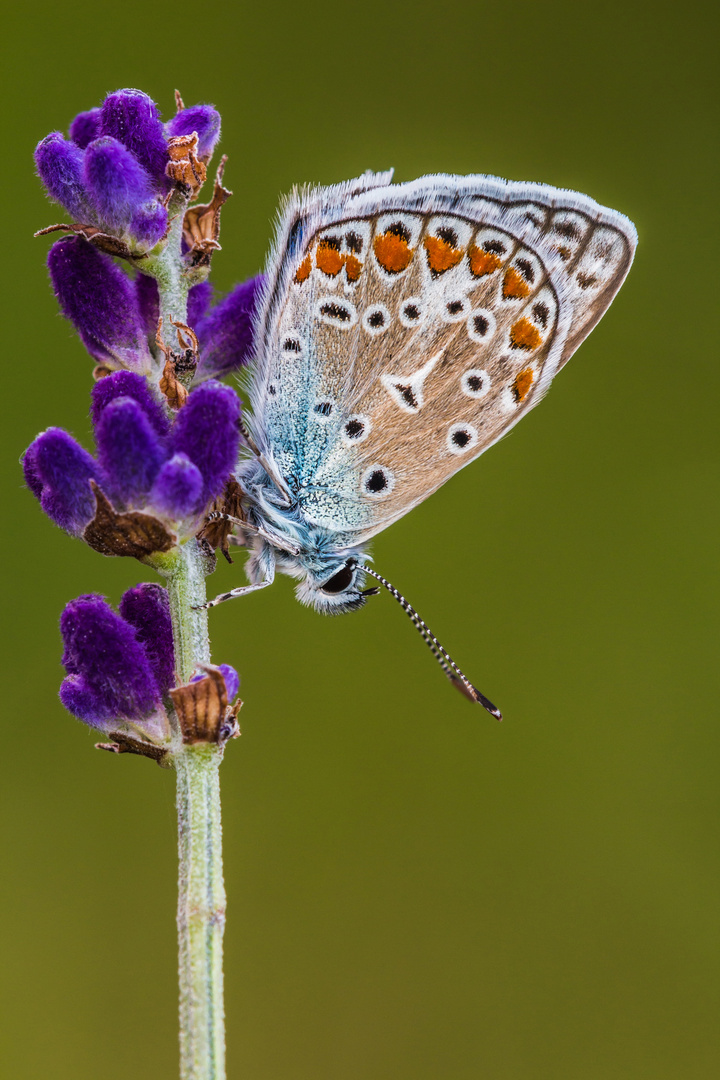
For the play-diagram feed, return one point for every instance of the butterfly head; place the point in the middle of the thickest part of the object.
(333, 585)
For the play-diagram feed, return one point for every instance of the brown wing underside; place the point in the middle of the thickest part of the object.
(428, 335)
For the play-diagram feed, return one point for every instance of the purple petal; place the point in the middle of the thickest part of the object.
(109, 674)
(147, 609)
(129, 451)
(116, 182)
(58, 471)
(179, 488)
(199, 299)
(232, 680)
(207, 430)
(60, 167)
(148, 300)
(129, 384)
(85, 127)
(229, 674)
(99, 300)
(132, 118)
(203, 119)
(226, 332)
(149, 224)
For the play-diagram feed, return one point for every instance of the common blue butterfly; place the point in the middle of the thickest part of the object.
(404, 329)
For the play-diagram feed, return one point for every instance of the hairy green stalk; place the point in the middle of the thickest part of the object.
(201, 891)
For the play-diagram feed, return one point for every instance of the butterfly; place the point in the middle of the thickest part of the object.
(403, 330)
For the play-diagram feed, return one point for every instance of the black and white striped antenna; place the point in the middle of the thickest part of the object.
(446, 662)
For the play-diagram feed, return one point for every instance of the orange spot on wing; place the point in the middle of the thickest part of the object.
(329, 260)
(522, 384)
(483, 262)
(514, 284)
(523, 335)
(353, 267)
(303, 270)
(564, 252)
(441, 256)
(392, 252)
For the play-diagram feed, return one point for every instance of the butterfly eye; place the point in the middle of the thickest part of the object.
(340, 581)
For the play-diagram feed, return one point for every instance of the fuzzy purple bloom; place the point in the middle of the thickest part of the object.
(58, 472)
(204, 120)
(149, 224)
(85, 127)
(129, 451)
(147, 608)
(199, 299)
(232, 680)
(207, 429)
(116, 181)
(129, 385)
(131, 117)
(99, 300)
(178, 489)
(110, 676)
(226, 331)
(60, 167)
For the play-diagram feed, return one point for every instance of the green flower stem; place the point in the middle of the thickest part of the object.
(201, 892)
(167, 269)
(185, 568)
(201, 913)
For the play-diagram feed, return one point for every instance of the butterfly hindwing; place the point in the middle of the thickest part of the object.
(407, 328)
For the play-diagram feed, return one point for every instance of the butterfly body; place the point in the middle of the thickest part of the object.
(405, 329)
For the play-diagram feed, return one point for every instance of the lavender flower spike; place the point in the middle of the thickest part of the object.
(131, 117)
(226, 331)
(207, 430)
(58, 472)
(99, 300)
(60, 167)
(110, 677)
(147, 608)
(202, 119)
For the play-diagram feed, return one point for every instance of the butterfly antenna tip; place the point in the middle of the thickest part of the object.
(446, 662)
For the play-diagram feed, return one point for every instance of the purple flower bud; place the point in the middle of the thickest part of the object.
(109, 674)
(179, 488)
(232, 680)
(132, 118)
(149, 224)
(203, 119)
(60, 167)
(85, 127)
(147, 609)
(207, 430)
(148, 300)
(58, 471)
(128, 384)
(99, 300)
(129, 451)
(199, 299)
(226, 332)
(116, 181)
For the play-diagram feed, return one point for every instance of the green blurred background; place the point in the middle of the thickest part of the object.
(415, 891)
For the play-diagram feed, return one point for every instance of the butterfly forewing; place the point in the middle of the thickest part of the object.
(408, 328)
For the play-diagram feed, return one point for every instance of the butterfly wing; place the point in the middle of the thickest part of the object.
(408, 327)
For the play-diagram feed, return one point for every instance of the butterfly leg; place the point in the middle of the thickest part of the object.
(243, 590)
(262, 565)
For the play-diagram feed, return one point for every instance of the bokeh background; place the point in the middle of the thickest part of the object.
(415, 891)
